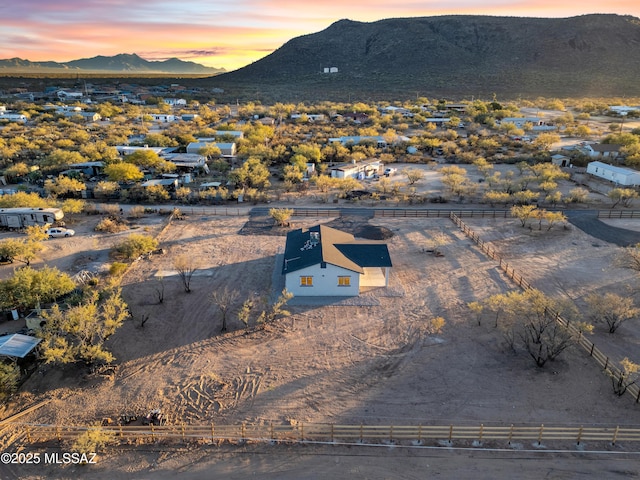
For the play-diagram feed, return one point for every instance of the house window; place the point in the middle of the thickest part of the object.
(306, 281)
(344, 281)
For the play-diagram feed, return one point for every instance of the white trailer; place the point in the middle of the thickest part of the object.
(16, 218)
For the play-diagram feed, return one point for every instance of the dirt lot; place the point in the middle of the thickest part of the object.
(346, 364)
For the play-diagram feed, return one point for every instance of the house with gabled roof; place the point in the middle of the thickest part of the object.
(323, 261)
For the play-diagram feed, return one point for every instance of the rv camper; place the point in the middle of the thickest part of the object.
(16, 218)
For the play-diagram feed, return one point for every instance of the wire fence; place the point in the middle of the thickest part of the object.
(617, 375)
(331, 433)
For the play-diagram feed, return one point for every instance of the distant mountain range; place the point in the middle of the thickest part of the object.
(122, 63)
(456, 55)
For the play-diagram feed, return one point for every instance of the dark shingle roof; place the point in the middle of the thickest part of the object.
(307, 247)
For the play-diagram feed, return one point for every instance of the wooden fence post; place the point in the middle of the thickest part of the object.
(481, 430)
(579, 435)
(212, 433)
(540, 434)
(391, 434)
(302, 432)
(606, 364)
(450, 433)
(360, 432)
(183, 436)
(615, 435)
(153, 436)
(332, 433)
(28, 434)
(420, 433)
(510, 433)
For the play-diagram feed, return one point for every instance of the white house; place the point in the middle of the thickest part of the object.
(13, 117)
(379, 140)
(162, 117)
(601, 150)
(322, 261)
(521, 121)
(226, 149)
(618, 175)
(175, 102)
(359, 170)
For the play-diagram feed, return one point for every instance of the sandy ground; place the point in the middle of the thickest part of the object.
(344, 364)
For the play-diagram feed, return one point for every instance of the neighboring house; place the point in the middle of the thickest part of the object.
(266, 121)
(128, 150)
(602, 150)
(226, 149)
(162, 117)
(175, 102)
(322, 261)
(224, 133)
(13, 117)
(520, 122)
(618, 175)
(86, 116)
(377, 139)
(90, 169)
(356, 117)
(168, 183)
(359, 170)
(188, 162)
(312, 117)
(190, 117)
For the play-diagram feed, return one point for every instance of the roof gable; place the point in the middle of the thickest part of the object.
(318, 244)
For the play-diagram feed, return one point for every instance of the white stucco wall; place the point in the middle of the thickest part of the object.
(325, 282)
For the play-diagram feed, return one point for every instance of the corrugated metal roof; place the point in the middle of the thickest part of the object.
(17, 345)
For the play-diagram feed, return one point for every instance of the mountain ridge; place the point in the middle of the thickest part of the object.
(123, 62)
(463, 54)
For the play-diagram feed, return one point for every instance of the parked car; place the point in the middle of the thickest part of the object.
(389, 171)
(57, 232)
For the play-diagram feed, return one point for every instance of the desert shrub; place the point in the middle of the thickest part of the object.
(136, 245)
(9, 377)
(117, 269)
(110, 208)
(136, 211)
(92, 440)
(111, 225)
(90, 209)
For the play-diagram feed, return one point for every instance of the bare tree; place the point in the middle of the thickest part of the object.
(244, 314)
(626, 377)
(224, 299)
(277, 309)
(186, 267)
(612, 308)
(159, 288)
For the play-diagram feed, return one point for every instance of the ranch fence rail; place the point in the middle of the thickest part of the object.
(618, 213)
(332, 433)
(594, 352)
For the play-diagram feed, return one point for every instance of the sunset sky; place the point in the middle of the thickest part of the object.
(225, 33)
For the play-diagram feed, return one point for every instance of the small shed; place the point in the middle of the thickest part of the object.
(560, 160)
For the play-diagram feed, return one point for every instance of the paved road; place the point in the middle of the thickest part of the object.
(587, 221)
